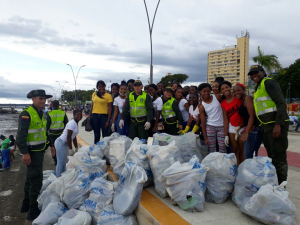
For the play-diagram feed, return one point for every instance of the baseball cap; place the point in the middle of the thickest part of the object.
(255, 68)
(137, 82)
(168, 88)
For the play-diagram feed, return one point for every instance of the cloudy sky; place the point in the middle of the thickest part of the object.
(111, 37)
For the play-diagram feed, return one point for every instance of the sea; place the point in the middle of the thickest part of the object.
(9, 124)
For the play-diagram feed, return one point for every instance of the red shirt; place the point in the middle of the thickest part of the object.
(232, 109)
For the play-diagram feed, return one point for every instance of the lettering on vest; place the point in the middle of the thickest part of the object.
(38, 136)
(261, 105)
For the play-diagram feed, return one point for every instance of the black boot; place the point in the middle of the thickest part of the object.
(25, 206)
(34, 212)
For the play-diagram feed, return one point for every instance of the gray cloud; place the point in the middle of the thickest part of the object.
(73, 23)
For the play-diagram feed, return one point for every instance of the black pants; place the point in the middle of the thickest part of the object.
(34, 180)
(53, 138)
(137, 129)
(171, 129)
(276, 149)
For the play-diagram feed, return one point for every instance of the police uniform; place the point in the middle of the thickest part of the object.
(172, 117)
(270, 109)
(32, 139)
(56, 122)
(140, 109)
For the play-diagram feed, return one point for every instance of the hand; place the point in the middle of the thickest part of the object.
(206, 142)
(236, 132)
(195, 129)
(181, 132)
(155, 128)
(180, 127)
(121, 124)
(244, 137)
(71, 152)
(26, 159)
(226, 141)
(276, 131)
(113, 127)
(107, 124)
(147, 125)
(53, 151)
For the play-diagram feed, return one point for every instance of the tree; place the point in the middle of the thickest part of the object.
(290, 75)
(175, 78)
(269, 62)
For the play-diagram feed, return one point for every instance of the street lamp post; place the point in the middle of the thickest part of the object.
(54, 93)
(75, 79)
(150, 32)
(61, 87)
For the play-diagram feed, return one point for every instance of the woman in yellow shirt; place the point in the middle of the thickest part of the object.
(101, 111)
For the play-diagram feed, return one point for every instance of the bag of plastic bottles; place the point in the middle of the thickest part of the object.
(118, 149)
(185, 184)
(47, 174)
(101, 195)
(109, 217)
(50, 199)
(221, 176)
(252, 174)
(118, 168)
(51, 214)
(75, 217)
(47, 182)
(187, 144)
(129, 189)
(137, 154)
(271, 205)
(161, 158)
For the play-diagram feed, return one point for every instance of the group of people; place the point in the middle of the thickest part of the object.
(225, 118)
(7, 152)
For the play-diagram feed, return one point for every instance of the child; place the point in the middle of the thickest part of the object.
(13, 146)
(5, 152)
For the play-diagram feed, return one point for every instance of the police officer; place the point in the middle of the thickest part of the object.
(32, 142)
(56, 122)
(270, 109)
(139, 106)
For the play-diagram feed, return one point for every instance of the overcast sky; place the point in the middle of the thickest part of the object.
(111, 37)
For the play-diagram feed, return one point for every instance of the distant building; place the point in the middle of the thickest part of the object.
(231, 62)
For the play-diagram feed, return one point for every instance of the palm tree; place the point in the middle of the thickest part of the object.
(269, 62)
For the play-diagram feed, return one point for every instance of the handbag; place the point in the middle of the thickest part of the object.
(87, 123)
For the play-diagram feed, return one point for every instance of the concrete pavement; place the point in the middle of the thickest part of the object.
(228, 212)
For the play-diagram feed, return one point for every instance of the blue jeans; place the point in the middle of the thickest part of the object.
(298, 124)
(125, 129)
(253, 143)
(62, 152)
(6, 159)
(98, 124)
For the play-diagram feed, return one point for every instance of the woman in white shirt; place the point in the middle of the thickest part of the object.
(157, 102)
(119, 103)
(212, 119)
(63, 143)
(183, 106)
(194, 119)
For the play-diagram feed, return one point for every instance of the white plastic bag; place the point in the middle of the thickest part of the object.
(118, 168)
(252, 174)
(50, 199)
(47, 182)
(137, 154)
(75, 217)
(185, 184)
(118, 148)
(188, 144)
(109, 217)
(129, 190)
(47, 174)
(221, 176)
(101, 195)
(84, 148)
(161, 158)
(271, 205)
(51, 214)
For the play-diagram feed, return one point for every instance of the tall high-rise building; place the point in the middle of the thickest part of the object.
(231, 62)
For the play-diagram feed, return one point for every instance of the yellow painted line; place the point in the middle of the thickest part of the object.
(158, 210)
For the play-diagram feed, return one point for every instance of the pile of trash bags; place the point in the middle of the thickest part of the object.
(178, 166)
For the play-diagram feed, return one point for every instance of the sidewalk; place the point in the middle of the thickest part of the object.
(228, 212)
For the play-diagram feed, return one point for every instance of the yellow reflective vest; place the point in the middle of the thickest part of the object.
(138, 106)
(57, 122)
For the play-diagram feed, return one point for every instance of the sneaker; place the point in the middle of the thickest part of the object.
(25, 206)
(33, 212)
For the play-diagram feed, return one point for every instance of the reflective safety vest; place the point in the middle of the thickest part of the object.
(57, 122)
(167, 110)
(263, 104)
(36, 137)
(138, 106)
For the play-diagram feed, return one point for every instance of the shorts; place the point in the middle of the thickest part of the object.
(231, 128)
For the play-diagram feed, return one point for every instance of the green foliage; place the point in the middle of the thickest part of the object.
(290, 75)
(82, 95)
(175, 78)
(269, 62)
